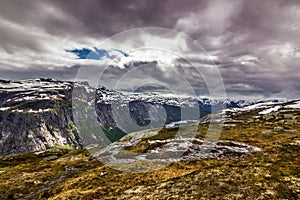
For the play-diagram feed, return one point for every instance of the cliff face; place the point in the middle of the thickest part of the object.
(23, 132)
(35, 115)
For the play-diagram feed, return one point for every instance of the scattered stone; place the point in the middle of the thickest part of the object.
(279, 129)
(288, 116)
(69, 168)
(291, 122)
(103, 173)
(39, 152)
(1, 172)
(277, 118)
(250, 120)
(229, 125)
(266, 131)
(51, 158)
(268, 117)
(37, 182)
(295, 142)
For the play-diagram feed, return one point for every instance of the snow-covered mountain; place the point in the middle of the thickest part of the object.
(37, 114)
(277, 113)
(122, 113)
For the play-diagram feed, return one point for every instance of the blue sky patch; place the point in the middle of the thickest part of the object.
(95, 54)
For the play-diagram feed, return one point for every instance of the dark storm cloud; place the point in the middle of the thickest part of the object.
(106, 17)
(255, 44)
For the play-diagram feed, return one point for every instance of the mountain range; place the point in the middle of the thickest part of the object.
(38, 114)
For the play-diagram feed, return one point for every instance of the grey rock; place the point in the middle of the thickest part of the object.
(266, 131)
(279, 129)
(53, 157)
(103, 173)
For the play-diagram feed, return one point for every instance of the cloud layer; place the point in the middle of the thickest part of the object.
(254, 44)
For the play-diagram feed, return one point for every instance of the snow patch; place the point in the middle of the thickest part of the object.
(296, 105)
(4, 108)
(269, 110)
(181, 123)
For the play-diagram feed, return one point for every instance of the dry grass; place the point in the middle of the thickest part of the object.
(273, 173)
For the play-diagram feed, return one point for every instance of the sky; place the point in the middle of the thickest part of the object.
(248, 48)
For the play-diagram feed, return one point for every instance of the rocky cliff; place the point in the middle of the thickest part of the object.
(36, 115)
